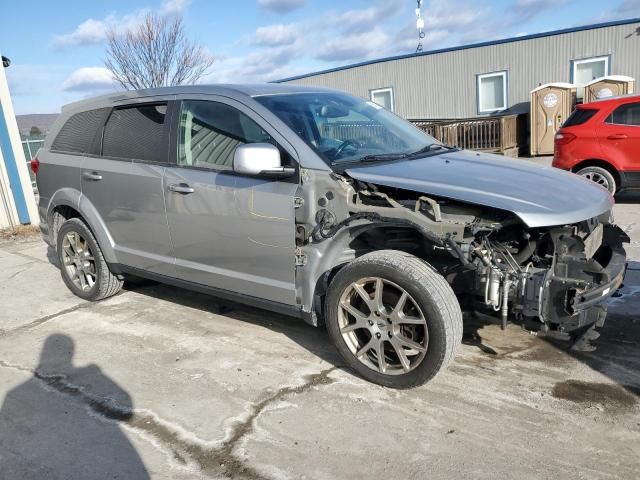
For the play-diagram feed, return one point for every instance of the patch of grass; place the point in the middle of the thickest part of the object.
(19, 231)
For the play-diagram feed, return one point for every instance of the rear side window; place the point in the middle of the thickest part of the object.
(78, 133)
(135, 133)
(628, 114)
(579, 116)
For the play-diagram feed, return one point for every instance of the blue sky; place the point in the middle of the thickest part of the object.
(57, 48)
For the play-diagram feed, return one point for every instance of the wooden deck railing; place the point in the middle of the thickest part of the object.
(355, 130)
(488, 134)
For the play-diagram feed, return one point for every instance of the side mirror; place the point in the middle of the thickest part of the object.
(260, 159)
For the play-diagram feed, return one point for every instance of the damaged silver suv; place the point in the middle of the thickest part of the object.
(320, 205)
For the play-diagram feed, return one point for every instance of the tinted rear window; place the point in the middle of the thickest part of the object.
(579, 116)
(628, 114)
(135, 133)
(78, 133)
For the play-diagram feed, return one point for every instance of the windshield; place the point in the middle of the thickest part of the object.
(342, 128)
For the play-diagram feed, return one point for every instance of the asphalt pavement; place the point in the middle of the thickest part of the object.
(163, 383)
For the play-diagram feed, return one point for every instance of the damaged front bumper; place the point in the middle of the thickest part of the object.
(614, 271)
(573, 292)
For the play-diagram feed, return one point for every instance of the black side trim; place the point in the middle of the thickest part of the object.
(276, 307)
(630, 180)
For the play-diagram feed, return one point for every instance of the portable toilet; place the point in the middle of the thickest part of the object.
(551, 104)
(609, 86)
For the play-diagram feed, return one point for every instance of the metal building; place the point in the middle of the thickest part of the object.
(490, 77)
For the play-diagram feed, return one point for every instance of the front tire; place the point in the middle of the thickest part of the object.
(393, 318)
(601, 176)
(82, 265)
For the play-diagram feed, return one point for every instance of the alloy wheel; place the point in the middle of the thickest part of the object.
(597, 178)
(383, 326)
(78, 261)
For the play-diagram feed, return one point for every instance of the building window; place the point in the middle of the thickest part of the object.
(492, 92)
(587, 69)
(383, 97)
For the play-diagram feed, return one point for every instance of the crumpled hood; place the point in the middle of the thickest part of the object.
(539, 195)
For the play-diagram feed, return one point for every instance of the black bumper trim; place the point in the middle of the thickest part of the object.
(616, 270)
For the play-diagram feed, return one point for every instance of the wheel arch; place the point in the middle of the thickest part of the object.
(347, 245)
(70, 203)
(596, 162)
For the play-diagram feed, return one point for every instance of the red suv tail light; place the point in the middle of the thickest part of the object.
(35, 165)
(564, 138)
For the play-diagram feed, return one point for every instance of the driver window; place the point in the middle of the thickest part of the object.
(211, 131)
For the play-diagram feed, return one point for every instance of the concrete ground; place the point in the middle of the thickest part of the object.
(156, 383)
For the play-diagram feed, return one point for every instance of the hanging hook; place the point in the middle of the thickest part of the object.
(419, 25)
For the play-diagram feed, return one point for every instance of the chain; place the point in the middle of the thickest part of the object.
(419, 25)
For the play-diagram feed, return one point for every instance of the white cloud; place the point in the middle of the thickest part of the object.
(275, 35)
(89, 79)
(362, 20)
(280, 6)
(94, 31)
(261, 65)
(524, 10)
(252, 69)
(626, 9)
(173, 7)
(88, 32)
(443, 15)
(356, 46)
(468, 21)
(291, 49)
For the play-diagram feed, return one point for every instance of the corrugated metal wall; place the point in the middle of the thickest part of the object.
(443, 85)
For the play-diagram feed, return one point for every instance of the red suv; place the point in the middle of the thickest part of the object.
(601, 141)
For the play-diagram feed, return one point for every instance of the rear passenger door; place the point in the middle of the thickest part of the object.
(231, 232)
(123, 182)
(620, 137)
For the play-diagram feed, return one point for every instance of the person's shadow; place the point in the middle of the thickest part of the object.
(63, 423)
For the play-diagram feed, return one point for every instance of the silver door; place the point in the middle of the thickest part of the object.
(128, 195)
(231, 232)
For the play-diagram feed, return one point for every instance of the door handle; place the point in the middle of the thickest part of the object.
(181, 188)
(617, 136)
(93, 176)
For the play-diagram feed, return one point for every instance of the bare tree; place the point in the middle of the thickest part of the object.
(155, 54)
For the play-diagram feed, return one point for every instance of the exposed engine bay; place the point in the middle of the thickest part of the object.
(552, 280)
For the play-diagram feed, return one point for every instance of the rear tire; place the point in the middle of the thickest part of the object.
(600, 176)
(82, 265)
(415, 321)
